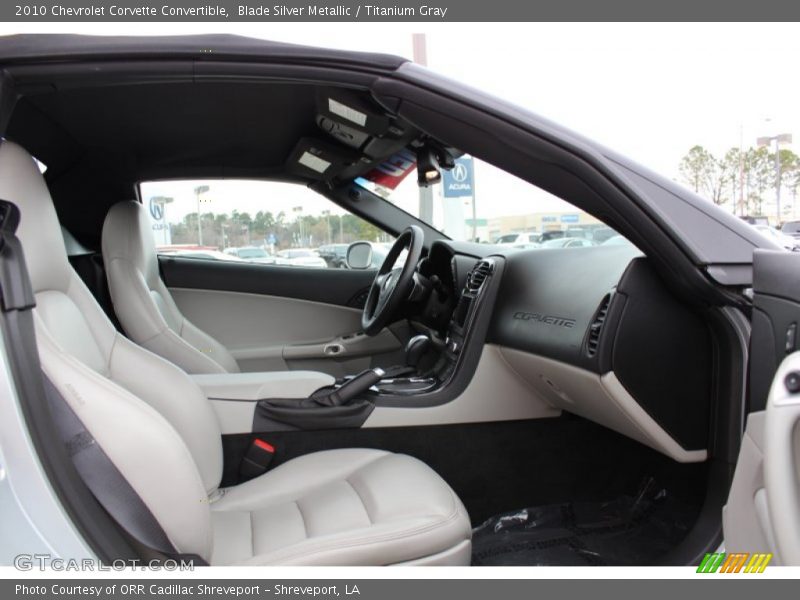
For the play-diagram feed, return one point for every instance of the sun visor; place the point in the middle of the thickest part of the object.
(351, 111)
(315, 159)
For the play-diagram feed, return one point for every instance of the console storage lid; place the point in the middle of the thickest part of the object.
(260, 386)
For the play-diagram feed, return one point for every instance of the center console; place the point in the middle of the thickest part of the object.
(461, 330)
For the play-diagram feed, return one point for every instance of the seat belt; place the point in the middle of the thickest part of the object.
(102, 477)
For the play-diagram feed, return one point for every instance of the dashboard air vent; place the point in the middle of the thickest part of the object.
(597, 326)
(478, 275)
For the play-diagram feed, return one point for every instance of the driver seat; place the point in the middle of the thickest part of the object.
(155, 425)
(144, 305)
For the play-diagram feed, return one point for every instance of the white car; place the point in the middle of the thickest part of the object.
(302, 257)
(202, 253)
(252, 254)
(785, 240)
(518, 240)
(567, 242)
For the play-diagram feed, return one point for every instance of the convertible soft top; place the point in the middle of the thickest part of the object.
(43, 48)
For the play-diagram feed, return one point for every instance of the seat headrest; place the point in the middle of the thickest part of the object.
(128, 234)
(39, 230)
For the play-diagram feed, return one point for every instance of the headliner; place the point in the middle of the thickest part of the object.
(169, 130)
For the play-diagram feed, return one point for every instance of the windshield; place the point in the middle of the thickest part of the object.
(476, 201)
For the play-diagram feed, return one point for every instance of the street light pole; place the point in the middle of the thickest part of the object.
(200, 189)
(299, 211)
(327, 214)
(420, 55)
(766, 141)
(778, 180)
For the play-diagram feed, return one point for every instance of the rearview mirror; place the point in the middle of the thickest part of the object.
(359, 255)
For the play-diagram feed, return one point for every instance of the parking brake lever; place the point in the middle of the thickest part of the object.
(353, 388)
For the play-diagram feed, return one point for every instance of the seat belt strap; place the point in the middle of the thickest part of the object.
(102, 477)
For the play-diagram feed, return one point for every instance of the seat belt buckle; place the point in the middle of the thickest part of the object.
(256, 460)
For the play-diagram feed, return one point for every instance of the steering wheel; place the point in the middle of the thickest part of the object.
(392, 286)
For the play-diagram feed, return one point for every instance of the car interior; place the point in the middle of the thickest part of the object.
(462, 404)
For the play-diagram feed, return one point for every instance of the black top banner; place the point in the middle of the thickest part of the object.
(397, 10)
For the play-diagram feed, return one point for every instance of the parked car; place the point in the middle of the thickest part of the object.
(517, 239)
(301, 257)
(755, 220)
(791, 228)
(600, 234)
(335, 255)
(206, 254)
(568, 242)
(784, 239)
(252, 254)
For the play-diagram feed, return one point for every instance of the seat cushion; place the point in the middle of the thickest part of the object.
(341, 507)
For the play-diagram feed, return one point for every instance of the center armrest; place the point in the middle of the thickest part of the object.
(261, 386)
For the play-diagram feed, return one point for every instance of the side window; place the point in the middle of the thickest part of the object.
(260, 222)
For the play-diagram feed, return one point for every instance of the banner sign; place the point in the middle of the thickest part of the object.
(460, 180)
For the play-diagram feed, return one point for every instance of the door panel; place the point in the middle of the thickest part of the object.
(782, 459)
(342, 287)
(745, 517)
(763, 509)
(278, 318)
(776, 317)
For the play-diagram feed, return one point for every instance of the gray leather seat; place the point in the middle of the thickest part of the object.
(144, 305)
(339, 507)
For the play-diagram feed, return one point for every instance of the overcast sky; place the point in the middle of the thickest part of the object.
(650, 91)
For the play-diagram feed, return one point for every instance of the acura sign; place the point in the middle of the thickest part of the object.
(459, 181)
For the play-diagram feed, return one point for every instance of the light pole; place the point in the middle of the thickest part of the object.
(299, 211)
(765, 142)
(420, 55)
(200, 189)
(327, 215)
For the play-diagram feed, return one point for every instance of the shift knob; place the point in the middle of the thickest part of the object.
(416, 347)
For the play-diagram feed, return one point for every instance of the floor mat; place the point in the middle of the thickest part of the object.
(628, 530)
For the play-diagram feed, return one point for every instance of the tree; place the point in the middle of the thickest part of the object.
(722, 172)
(697, 168)
(760, 172)
(732, 165)
(790, 174)
(708, 175)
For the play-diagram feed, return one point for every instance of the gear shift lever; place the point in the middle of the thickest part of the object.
(416, 348)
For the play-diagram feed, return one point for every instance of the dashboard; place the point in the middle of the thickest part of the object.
(599, 315)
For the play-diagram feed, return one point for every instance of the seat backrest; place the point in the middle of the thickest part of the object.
(147, 415)
(144, 305)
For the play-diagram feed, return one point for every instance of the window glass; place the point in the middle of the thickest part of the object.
(262, 222)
